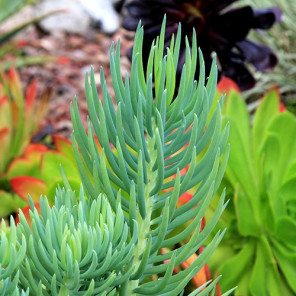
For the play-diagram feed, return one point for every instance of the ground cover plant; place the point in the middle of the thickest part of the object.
(108, 241)
(258, 252)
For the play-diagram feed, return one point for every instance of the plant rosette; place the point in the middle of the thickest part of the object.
(258, 252)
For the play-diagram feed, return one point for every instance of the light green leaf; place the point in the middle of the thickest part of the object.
(267, 110)
(284, 126)
(236, 108)
(257, 283)
(287, 261)
(286, 230)
(236, 267)
(244, 211)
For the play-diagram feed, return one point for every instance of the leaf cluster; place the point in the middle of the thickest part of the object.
(20, 114)
(259, 249)
(108, 242)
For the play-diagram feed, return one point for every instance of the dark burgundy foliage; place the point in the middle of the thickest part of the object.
(220, 28)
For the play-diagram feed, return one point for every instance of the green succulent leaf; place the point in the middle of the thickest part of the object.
(261, 216)
(109, 240)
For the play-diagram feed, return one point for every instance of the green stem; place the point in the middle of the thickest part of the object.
(144, 224)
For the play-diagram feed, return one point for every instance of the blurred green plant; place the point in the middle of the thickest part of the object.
(109, 241)
(259, 251)
(37, 172)
(20, 115)
(282, 39)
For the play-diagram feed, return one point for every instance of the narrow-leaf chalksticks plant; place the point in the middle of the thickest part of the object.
(108, 241)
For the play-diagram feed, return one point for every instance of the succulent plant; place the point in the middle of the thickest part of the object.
(20, 115)
(37, 172)
(109, 241)
(259, 247)
(17, 123)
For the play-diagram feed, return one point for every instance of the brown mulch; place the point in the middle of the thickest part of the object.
(65, 78)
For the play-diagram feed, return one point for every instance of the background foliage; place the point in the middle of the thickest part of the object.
(258, 253)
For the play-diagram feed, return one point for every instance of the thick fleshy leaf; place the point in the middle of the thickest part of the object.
(275, 284)
(6, 130)
(4, 150)
(24, 167)
(226, 85)
(236, 267)
(236, 108)
(284, 126)
(8, 204)
(33, 151)
(50, 167)
(264, 271)
(257, 282)
(15, 86)
(287, 191)
(245, 209)
(51, 189)
(3, 133)
(287, 262)
(286, 230)
(5, 112)
(240, 167)
(243, 287)
(29, 164)
(267, 110)
(261, 56)
(64, 146)
(24, 185)
(30, 104)
(268, 161)
(31, 98)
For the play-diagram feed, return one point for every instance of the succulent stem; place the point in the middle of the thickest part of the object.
(144, 224)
